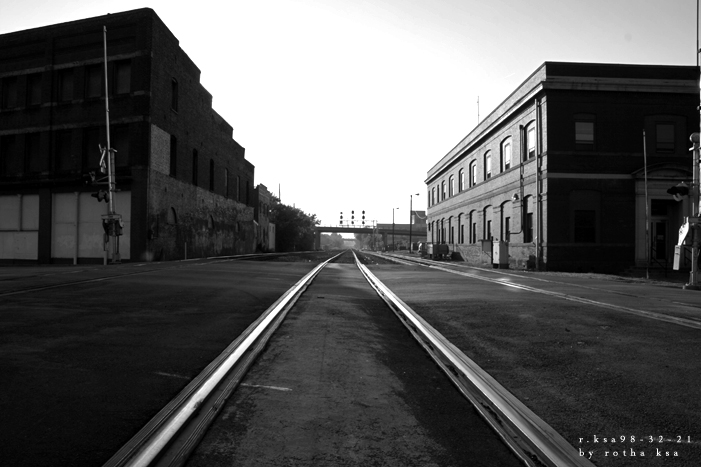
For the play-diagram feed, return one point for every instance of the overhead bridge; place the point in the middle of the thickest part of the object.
(417, 231)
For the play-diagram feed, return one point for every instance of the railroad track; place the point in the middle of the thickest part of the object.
(174, 432)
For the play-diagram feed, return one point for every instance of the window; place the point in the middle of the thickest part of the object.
(528, 228)
(443, 190)
(473, 173)
(91, 147)
(451, 186)
(172, 218)
(93, 81)
(8, 155)
(530, 141)
(450, 230)
(195, 163)
(488, 230)
(174, 94)
(584, 134)
(461, 229)
(122, 77)
(506, 155)
(173, 155)
(34, 89)
(461, 176)
(32, 146)
(211, 175)
(585, 226)
(120, 142)
(65, 85)
(9, 92)
(433, 196)
(64, 157)
(226, 183)
(507, 229)
(487, 165)
(665, 137)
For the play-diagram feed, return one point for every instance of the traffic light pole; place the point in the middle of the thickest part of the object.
(112, 220)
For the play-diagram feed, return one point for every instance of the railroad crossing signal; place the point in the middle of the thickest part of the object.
(101, 195)
(679, 191)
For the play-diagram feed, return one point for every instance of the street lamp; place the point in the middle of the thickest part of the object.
(393, 244)
(411, 218)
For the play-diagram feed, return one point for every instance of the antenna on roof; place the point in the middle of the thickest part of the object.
(478, 110)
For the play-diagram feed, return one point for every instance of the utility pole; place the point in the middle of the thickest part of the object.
(112, 222)
(694, 219)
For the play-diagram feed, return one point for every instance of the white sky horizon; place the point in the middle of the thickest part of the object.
(346, 104)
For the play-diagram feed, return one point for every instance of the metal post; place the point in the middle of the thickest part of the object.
(647, 213)
(113, 219)
(694, 219)
(393, 228)
(411, 218)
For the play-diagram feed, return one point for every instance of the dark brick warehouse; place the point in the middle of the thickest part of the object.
(185, 186)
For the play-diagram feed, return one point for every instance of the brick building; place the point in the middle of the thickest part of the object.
(556, 173)
(185, 187)
(265, 230)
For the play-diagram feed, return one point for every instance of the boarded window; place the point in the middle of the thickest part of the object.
(9, 92)
(35, 160)
(121, 142)
(34, 89)
(584, 226)
(8, 156)
(122, 77)
(93, 81)
(65, 85)
(665, 137)
(66, 161)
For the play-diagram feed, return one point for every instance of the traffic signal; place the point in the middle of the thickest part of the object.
(101, 195)
(679, 191)
(363, 217)
(353, 217)
(89, 178)
(341, 217)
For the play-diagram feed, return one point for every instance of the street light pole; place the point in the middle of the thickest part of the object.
(411, 218)
(393, 244)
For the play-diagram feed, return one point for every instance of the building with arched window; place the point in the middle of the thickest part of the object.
(557, 170)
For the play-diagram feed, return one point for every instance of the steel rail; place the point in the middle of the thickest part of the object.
(171, 435)
(534, 441)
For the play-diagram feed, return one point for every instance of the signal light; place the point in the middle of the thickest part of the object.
(89, 178)
(679, 191)
(101, 196)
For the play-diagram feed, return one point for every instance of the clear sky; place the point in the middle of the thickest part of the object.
(346, 104)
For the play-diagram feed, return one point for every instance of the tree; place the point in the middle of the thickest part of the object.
(332, 242)
(294, 229)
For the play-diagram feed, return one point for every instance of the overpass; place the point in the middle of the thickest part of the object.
(418, 231)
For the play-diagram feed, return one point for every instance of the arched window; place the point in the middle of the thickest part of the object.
(473, 173)
(530, 141)
(461, 180)
(487, 227)
(487, 165)
(461, 229)
(506, 154)
(172, 218)
(442, 190)
(451, 186)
